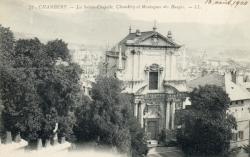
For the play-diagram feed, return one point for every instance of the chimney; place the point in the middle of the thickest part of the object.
(154, 27)
(233, 75)
(169, 35)
(138, 33)
(130, 29)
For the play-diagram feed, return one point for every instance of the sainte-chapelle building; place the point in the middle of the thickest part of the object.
(147, 64)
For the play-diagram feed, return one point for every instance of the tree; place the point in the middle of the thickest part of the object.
(107, 118)
(1, 120)
(7, 42)
(57, 49)
(18, 89)
(84, 130)
(6, 50)
(39, 88)
(206, 127)
(138, 138)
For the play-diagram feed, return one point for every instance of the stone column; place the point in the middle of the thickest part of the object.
(170, 115)
(167, 115)
(173, 115)
(133, 70)
(129, 66)
(138, 65)
(141, 66)
(173, 67)
(170, 66)
(135, 109)
(167, 65)
(139, 115)
(135, 66)
(142, 120)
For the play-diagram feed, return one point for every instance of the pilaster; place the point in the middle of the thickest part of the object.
(135, 109)
(173, 115)
(167, 115)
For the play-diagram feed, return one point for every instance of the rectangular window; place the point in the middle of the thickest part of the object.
(241, 135)
(234, 136)
(153, 80)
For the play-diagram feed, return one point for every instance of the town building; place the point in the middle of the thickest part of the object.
(88, 62)
(147, 64)
(239, 102)
(243, 79)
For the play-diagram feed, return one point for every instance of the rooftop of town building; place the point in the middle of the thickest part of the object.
(226, 81)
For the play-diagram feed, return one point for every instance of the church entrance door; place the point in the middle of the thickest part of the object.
(152, 129)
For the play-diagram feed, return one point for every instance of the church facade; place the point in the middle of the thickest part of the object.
(147, 64)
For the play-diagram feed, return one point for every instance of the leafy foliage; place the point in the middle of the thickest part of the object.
(206, 127)
(108, 120)
(6, 50)
(138, 138)
(37, 90)
(6, 45)
(104, 120)
(57, 49)
(210, 98)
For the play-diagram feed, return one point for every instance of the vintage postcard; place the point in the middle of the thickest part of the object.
(125, 78)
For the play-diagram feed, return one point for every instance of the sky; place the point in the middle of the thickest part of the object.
(211, 27)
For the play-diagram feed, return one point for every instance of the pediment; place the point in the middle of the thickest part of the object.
(157, 39)
(149, 38)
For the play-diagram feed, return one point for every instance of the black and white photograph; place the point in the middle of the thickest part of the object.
(125, 78)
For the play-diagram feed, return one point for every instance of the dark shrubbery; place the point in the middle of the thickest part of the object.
(107, 119)
(206, 127)
(36, 92)
(40, 87)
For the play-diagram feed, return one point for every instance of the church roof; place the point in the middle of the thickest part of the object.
(234, 91)
(141, 39)
(132, 36)
(136, 39)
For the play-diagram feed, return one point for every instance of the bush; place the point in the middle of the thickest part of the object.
(108, 121)
(206, 127)
(138, 139)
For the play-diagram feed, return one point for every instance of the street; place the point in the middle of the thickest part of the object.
(164, 152)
